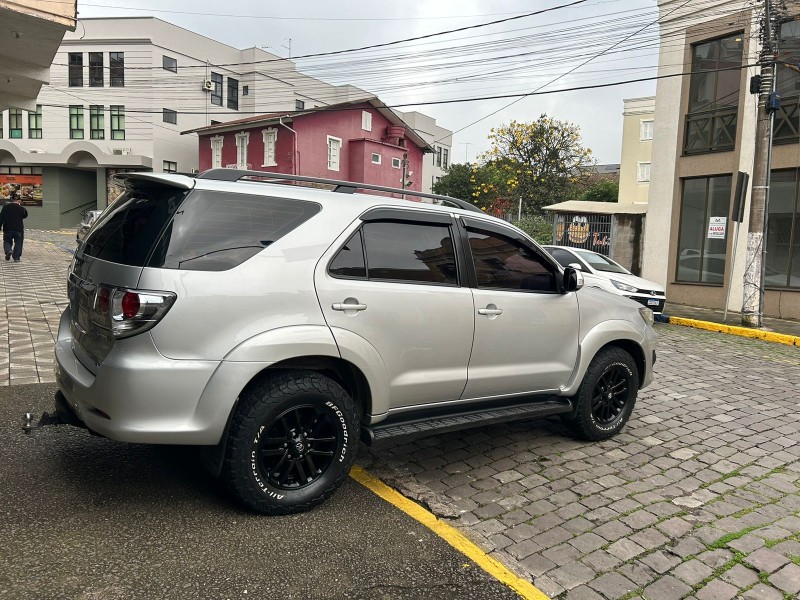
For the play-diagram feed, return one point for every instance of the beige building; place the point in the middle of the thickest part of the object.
(637, 144)
(30, 33)
(704, 134)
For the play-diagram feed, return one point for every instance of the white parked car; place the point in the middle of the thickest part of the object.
(602, 272)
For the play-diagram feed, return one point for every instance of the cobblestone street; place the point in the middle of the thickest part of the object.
(697, 498)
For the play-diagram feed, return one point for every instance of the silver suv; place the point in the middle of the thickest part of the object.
(278, 325)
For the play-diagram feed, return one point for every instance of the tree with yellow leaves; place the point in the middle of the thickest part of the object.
(542, 162)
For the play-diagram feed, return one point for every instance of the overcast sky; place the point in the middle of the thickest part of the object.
(617, 40)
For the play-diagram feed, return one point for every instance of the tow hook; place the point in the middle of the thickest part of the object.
(63, 415)
(46, 419)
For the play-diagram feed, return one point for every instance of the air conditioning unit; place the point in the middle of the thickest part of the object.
(121, 151)
(208, 85)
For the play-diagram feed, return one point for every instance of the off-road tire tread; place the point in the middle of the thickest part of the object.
(581, 424)
(271, 390)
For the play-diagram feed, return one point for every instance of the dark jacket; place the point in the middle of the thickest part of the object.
(11, 217)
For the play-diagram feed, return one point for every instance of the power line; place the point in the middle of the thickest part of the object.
(402, 41)
(535, 92)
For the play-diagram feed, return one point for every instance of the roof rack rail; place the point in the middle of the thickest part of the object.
(345, 187)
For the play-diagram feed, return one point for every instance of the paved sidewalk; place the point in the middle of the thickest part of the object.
(34, 293)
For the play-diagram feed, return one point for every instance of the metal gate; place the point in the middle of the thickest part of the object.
(589, 231)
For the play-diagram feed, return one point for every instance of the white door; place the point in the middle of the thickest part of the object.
(526, 330)
(406, 302)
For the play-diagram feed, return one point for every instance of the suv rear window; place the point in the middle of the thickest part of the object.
(128, 232)
(212, 231)
(216, 231)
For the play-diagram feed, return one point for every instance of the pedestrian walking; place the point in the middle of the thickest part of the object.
(11, 217)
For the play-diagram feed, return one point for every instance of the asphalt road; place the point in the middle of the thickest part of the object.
(86, 518)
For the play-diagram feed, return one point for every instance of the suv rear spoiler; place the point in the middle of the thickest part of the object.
(140, 180)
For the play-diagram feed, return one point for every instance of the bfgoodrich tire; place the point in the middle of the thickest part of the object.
(291, 443)
(606, 397)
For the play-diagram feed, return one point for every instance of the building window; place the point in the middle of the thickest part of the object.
(366, 120)
(334, 151)
(788, 85)
(705, 206)
(782, 268)
(242, 140)
(714, 95)
(75, 69)
(445, 157)
(76, 122)
(15, 123)
(170, 116)
(35, 123)
(438, 159)
(299, 105)
(97, 125)
(117, 122)
(643, 172)
(2, 118)
(169, 63)
(245, 90)
(116, 61)
(216, 89)
(95, 69)
(170, 166)
(270, 141)
(376, 158)
(233, 93)
(216, 152)
(645, 130)
(396, 163)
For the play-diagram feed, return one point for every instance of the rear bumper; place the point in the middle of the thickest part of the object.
(138, 395)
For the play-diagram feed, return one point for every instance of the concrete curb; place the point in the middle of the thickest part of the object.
(767, 336)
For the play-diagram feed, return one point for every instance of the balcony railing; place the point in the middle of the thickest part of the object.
(786, 129)
(710, 131)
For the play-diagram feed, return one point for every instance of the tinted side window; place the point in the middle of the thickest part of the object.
(131, 227)
(415, 252)
(505, 264)
(215, 231)
(563, 257)
(349, 261)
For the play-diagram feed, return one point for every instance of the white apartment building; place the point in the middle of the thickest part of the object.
(434, 165)
(637, 145)
(121, 92)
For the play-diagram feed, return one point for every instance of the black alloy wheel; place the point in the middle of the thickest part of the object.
(610, 394)
(293, 438)
(606, 397)
(298, 448)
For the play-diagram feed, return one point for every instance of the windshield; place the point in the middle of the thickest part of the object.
(601, 263)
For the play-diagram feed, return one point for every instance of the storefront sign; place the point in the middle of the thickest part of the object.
(716, 228)
(27, 188)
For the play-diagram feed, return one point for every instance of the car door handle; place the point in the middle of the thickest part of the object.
(490, 311)
(345, 306)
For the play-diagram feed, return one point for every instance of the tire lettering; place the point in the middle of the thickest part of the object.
(345, 435)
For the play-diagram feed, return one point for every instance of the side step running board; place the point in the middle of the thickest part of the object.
(414, 424)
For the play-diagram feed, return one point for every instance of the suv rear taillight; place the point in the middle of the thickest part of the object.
(129, 312)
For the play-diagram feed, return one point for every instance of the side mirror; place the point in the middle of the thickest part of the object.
(576, 266)
(573, 279)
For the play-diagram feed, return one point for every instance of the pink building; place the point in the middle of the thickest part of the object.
(362, 141)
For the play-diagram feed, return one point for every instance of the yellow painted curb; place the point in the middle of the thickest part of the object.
(768, 336)
(449, 534)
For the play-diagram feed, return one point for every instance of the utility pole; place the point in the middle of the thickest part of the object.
(466, 151)
(768, 103)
